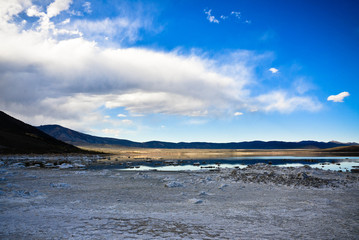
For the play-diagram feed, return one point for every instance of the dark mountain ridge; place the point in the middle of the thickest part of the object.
(19, 137)
(81, 139)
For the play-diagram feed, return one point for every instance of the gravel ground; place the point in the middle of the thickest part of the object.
(259, 202)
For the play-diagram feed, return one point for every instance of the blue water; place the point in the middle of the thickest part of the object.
(325, 163)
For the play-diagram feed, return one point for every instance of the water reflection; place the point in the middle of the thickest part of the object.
(325, 163)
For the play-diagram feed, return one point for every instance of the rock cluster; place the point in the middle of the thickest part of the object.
(50, 161)
(303, 176)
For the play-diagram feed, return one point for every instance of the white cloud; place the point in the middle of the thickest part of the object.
(238, 113)
(87, 7)
(223, 17)
(281, 102)
(339, 97)
(111, 132)
(127, 121)
(120, 115)
(160, 102)
(236, 14)
(58, 6)
(120, 27)
(210, 17)
(66, 21)
(303, 85)
(273, 70)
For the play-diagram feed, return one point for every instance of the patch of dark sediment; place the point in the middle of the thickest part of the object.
(48, 161)
(301, 176)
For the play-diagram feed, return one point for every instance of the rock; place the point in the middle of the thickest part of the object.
(17, 165)
(49, 165)
(26, 194)
(302, 175)
(35, 166)
(78, 165)
(223, 186)
(65, 166)
(195, 201)
(60, 185)
(174, 184)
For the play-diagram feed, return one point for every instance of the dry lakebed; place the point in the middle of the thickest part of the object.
(260, 201)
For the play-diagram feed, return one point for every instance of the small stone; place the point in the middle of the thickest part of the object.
(174, 184)
(195, 201)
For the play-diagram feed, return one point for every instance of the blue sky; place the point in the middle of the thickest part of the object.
(218, 71)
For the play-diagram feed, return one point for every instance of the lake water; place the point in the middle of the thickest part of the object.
(325, 163)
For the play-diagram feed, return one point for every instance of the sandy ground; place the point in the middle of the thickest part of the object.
(123, 154)
(260, 202)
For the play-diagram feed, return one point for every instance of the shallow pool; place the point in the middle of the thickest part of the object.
(325, 163)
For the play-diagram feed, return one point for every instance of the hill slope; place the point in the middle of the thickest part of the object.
(77, 138)
(19, 137)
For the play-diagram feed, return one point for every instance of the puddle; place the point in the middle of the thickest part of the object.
(325, 163)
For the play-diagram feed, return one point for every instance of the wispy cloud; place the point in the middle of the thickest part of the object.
(238, 114)
(339, 97)
(124, 29)
(87, 7)
(210, 17)
(282, 102)
(236, 14)
(303, 85)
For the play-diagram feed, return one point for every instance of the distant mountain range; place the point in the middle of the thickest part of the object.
(19, 137)
(81, 139)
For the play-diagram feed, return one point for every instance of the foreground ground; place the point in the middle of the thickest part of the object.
(259, 202)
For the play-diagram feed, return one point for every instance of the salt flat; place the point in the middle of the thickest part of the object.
(260, 202)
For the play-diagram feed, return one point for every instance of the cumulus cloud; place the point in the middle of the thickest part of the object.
(238, 114)
(210, 17)
(58, 6)
(339, 97)
(70, 80)
(273, 70)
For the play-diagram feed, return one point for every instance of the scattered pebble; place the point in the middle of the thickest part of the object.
(195, 201)
(65, 166)
(174, 184)
(223, 186)
(60, 185)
